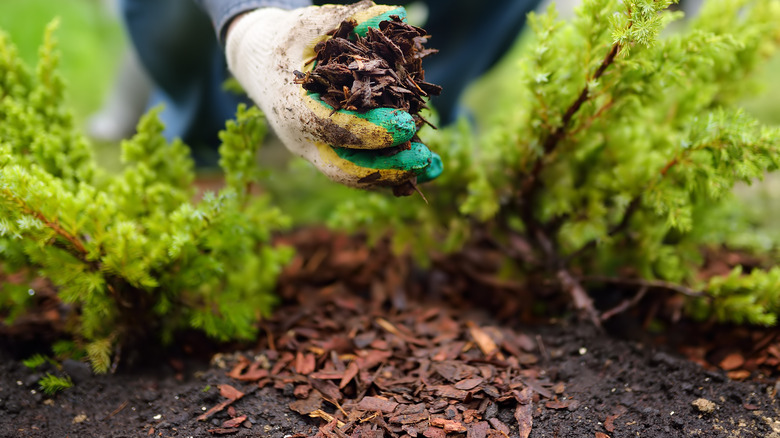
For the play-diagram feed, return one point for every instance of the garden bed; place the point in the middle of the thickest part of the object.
(391, 350)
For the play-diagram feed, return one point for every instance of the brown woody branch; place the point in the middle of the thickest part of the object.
(639, 282)
(54, 226)
(588, 123)
(551, 142)
(625, 304)
(582, 301)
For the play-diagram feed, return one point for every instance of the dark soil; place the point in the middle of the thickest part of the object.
(621, 388)
(576, 381)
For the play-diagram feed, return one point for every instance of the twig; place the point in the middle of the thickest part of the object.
(668, 166)
(530, 186)
(582, 301)
(625, 304)
(655, 284)
(588, 123)
(54, 226)
(542, 349)
(417, 189)
(117, 410)
(552, 141)
(117, 358)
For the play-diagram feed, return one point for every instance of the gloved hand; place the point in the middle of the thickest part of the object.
(265, 47)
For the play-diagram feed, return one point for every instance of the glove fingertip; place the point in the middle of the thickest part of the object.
(416, 159)
(433, 170)
(398, 123)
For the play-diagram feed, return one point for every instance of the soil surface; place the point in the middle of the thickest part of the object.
(392, 352)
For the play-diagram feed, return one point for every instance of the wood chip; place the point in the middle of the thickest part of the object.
(738, 374)
(449, 392)
(448, 425)
(732, 361)
(227, 391)
(467, 384)
(434, 432)
(380, 404)
(499, 426)
(327, 388)
(409, 418)
(349, 374)
(524, 418)
(304, 363)
(485, 343)
(562, 404)
(234, 422)
(308, 405)
(230, 392)
(609, 422)
(477, 430)
(319, 413)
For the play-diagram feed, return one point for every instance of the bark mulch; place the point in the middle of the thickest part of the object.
(366, 345)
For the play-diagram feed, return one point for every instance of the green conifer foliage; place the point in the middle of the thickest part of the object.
(611, 150)
(132, 253)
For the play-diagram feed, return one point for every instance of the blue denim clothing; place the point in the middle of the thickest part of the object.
(177, 44)
(222, 12)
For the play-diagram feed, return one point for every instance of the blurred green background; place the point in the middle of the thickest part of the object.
(92, 41)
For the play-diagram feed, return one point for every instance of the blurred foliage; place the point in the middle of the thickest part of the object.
(91, 43)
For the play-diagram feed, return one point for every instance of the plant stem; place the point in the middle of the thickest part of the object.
(633, 206)
(655, 284)
(54, 226)
(625, 304)
(531, 183)
(582, 300)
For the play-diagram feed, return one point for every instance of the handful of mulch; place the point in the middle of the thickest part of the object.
(382, 69)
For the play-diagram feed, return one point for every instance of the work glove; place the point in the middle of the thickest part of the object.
(264, 49)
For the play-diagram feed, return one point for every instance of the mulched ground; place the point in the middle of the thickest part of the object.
(366, 345)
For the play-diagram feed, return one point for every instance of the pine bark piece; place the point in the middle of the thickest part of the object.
(370, 403)
(227, 391)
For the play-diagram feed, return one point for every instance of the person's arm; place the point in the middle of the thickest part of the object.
(222, 12)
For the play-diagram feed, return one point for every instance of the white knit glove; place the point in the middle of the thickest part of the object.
(265, 47)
